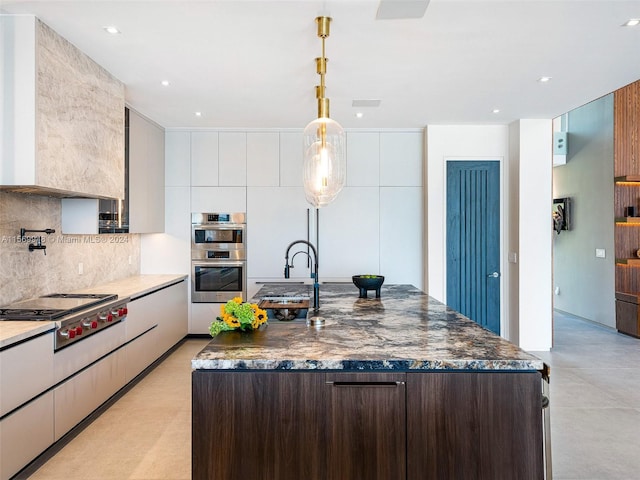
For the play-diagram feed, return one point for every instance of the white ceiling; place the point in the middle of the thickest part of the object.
(250, 64)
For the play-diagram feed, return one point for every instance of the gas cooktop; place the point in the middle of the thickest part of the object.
(53, 306)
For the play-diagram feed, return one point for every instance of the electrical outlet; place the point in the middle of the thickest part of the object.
(80, 268)
(129, 259)
(600, 253)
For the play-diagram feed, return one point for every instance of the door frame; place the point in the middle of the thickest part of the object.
(504, 264)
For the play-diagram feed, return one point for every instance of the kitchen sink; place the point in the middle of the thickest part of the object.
(285, 307)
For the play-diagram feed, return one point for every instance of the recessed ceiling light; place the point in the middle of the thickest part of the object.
(632, 22)
(496, 110)
(359, 115)
(198, 114)
(372, 102)
(544, 79)
(165, 83)
(394, 9)
(112, 30)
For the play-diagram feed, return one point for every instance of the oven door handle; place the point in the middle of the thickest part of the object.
(218, 263)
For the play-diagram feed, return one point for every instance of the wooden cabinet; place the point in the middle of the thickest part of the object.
(471, 426)
(367, 425)
(258, 425)
(626, 144)
(366, 422)
(66, 130)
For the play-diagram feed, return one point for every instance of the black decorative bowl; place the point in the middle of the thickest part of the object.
(368, 282)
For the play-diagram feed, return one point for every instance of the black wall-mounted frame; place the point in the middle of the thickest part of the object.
(561, 214)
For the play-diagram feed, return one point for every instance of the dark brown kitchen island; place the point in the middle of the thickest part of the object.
(400, 387)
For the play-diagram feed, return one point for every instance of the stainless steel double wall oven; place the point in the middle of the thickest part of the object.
(218, 257)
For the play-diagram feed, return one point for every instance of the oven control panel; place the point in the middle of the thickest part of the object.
(84, 324)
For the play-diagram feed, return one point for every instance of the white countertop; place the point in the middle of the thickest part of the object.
(133, 287)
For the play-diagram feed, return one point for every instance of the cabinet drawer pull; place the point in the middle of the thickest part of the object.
(365, 384)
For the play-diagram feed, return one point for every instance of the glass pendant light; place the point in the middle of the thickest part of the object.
(325, 166)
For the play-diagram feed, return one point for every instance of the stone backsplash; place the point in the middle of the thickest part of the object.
(25, 274)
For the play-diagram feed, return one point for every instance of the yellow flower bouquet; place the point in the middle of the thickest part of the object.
(236, 315)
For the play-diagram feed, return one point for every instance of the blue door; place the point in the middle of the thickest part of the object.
(473, 240)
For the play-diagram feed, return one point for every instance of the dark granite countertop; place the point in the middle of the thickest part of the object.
(403, 330)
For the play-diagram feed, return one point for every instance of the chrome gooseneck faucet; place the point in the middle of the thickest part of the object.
(314, 271)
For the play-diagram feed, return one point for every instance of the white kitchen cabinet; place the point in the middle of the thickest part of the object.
(81, 394)
(291, 159)
(32, 360)
(401, 155)
(170, 253)
(232, 151)
(25, 434)
(350, 234)
(145, 192)
(218, 199)
(263, 159)
(146, 175)
(177, 150)
(202, 314)
(140, 353)
(78, 355)
(401, 235)
(204, 159)
(363, 159)
(276, 216)
(173, 314)
(64, 133)
(165, 309)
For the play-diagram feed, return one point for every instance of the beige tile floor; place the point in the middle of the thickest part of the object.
(595, 415)
(144, 435)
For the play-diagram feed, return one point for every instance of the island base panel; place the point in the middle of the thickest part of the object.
(474, 426)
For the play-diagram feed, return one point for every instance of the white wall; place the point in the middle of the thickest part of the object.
(533, 139)
(459, 142)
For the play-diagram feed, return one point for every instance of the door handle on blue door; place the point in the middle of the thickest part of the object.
(493, 275)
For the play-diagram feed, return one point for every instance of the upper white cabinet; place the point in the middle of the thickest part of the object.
(218, 199)
(350, 234)
(62, 116)
(232, 159)
(401, 235)
(291, 159)
(146, 175)
(363, 159)
(401, 159)
(276, 216)
(177, 148)
(204, 159)
(263, 159)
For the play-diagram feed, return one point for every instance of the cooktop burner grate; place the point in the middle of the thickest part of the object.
(31, 314)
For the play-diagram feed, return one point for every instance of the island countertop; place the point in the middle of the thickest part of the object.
(404, 330)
